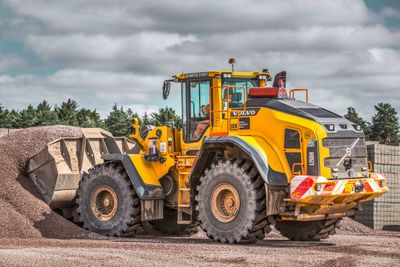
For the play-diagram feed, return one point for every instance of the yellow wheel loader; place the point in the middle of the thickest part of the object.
(249, 156)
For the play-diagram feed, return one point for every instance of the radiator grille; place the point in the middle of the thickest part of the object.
(347, 153)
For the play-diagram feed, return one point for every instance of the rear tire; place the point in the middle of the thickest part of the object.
(231, 203)
(169, 225)
(107, 202)
(307, 231)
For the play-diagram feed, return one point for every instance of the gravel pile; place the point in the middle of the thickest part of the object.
(350, 226)
(22, 212)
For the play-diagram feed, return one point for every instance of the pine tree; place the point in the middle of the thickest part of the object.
(13, 120)
(166, 116)
(28, 117)
(118, 121)
(3, 116)
(385, 124)
(67, 113)
(45, 114)
(145, 120)
(89, 118)
(353, 116)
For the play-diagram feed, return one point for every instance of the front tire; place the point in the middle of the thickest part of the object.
(231, 203)
(107, 202)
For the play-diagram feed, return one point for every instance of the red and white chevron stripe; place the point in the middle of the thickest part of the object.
(305, 188)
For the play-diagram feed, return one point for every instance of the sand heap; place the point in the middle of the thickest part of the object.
(23, 214)
(350, 226)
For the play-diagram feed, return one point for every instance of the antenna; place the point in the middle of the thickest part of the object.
(232, 61)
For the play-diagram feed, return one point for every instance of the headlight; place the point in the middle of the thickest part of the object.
(335, 173)
(318, 187)
(357, 127)
(227, 75)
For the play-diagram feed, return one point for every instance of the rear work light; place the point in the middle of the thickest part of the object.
(272, 92)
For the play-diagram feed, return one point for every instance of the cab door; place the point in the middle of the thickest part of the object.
(195, 113)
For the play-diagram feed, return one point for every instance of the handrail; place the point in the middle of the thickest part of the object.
(292, 91)
(295, 165)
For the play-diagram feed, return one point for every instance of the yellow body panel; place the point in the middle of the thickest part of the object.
(268, 134)
(151, 172)
(146, 170)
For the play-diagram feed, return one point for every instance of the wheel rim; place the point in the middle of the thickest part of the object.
(225, 202)
(104, 202)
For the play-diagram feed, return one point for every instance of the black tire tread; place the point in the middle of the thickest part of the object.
(258, 226)
(130, 226)
(307, 231)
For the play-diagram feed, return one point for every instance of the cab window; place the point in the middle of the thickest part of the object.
(197, 110)
(237, 94)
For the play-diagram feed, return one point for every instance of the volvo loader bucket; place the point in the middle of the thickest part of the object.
(58, 168)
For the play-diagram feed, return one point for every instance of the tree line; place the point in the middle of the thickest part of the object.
(383, 126)
(68, 112)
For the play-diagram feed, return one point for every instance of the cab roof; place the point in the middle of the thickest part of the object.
(215, 73)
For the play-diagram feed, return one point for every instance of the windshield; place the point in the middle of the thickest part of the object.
(237, 95)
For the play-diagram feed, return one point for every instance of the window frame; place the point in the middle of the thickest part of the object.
(187, 109)
(238, 79)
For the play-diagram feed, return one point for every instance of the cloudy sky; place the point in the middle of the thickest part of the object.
(104, 51)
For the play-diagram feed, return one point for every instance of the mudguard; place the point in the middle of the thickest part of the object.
(211, 144)
(144, 191)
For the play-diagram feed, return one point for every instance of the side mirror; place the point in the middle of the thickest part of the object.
(166, 89)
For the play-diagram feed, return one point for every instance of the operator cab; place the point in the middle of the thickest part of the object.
(207, 96)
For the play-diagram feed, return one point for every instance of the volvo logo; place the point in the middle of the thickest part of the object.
(348, 152)
(244, 113)
(248, 112)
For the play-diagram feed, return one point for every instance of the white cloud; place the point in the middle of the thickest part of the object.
(121, 17)
(390, 12)
(93, 89)
(8, 62)
(121, 51)
(146, 51)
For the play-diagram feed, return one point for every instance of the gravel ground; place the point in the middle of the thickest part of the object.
(339, 250)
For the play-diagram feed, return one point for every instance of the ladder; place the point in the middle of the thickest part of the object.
(184, 165)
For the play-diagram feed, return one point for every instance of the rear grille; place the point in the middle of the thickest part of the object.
(347, 153)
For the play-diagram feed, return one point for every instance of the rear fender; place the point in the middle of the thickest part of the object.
(248, 145)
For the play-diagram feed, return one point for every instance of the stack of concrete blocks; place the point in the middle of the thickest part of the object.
(383, 213)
